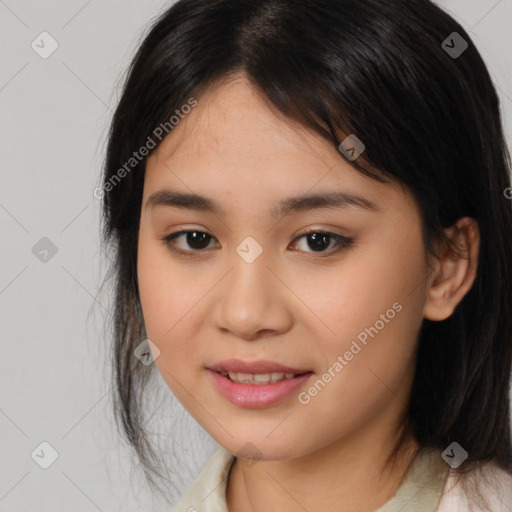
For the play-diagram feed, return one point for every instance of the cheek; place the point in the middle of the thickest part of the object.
(373, 309)
(355, 298)
(161, 290)
(171, 299)
(152, 289)
(369, 362)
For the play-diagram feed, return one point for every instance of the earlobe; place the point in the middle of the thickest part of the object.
(454, 271)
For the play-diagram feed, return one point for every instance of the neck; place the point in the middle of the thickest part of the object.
(349, 475)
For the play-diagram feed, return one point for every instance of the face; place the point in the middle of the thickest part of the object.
(246, 281)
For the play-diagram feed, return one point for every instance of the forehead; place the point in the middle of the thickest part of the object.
(234, 139)
(233, 115)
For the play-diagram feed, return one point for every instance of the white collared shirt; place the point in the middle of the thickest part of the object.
(428, 486)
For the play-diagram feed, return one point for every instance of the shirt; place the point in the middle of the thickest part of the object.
(428, 486)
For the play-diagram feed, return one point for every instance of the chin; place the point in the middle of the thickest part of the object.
(261, 449)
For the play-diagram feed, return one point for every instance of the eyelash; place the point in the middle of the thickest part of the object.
(341, 241)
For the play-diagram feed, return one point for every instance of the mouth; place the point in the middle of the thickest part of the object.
(257, 390)
(260, 368)
(260, 379)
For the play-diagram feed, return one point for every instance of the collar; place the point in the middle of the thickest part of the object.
(420, 491)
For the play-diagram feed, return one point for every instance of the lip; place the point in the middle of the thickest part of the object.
(262, 366)
(254, 396)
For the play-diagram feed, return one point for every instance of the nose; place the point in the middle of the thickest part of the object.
(252, 300)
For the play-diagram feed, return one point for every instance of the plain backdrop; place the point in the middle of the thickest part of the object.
(54, 386)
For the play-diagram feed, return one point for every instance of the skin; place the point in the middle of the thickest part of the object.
(292, 304)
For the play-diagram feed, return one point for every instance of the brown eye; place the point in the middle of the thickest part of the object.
(319, 241)
(193, 240)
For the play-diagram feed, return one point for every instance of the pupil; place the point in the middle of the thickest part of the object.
(318, 239)
(196, 239)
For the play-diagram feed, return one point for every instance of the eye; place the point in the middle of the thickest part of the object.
(199, 240)
(319, 240)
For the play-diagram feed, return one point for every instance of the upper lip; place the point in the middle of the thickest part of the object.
(239, 366)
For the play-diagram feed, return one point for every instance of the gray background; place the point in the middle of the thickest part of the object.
(53, 377)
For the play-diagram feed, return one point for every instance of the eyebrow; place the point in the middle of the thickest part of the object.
(337, 199)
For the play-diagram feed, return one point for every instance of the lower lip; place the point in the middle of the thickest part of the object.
(253, 396)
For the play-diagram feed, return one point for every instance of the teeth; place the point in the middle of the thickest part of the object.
(258, 378)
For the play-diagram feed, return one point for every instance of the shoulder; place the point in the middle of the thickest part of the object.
(493, 483)
(208, 492)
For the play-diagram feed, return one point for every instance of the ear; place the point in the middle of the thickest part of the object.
(454, 272)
